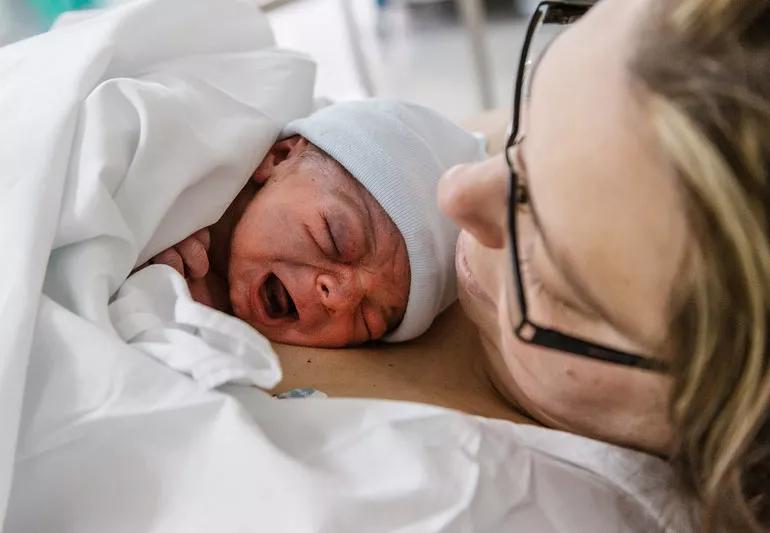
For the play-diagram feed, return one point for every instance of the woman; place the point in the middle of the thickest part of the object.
(622, 288)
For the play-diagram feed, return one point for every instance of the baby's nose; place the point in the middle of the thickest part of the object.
(339, 292)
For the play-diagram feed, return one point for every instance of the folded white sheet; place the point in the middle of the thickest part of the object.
(120, 135)
(154, 312)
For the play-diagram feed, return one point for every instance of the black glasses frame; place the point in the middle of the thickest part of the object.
(553, 12)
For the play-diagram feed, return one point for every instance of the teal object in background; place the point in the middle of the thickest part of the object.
(50, 9)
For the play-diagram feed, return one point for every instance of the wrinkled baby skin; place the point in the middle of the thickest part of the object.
(305, 254)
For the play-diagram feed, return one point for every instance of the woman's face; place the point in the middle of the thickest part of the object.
(603, 240)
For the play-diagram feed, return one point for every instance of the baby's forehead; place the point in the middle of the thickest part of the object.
(324, 171)
(336, 180)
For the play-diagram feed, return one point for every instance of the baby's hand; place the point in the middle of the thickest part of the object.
(189, 257)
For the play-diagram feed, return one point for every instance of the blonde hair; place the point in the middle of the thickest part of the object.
(705, 68)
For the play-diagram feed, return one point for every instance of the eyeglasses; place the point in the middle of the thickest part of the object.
(548, 21)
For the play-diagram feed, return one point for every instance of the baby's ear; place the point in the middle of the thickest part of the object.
(281, 151)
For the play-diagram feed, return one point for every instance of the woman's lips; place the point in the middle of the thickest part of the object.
(465, 274)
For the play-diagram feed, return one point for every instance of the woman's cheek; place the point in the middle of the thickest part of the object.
(522, 363)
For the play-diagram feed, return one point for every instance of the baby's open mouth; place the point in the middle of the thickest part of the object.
(276, 299)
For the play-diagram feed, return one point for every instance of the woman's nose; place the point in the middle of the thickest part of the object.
(338, 293)
(475, 195)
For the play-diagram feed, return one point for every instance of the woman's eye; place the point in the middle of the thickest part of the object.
(522, 193)
(522, 190)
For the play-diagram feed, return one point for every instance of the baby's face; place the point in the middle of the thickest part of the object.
(316, 261)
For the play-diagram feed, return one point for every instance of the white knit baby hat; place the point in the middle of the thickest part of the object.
(398, 151)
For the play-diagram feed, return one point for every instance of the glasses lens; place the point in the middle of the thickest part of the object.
(529, 301)
(551, 21)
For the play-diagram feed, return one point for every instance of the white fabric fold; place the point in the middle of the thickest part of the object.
(121, 134)
(154, 312)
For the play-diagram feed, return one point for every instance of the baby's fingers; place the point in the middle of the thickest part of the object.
(195, 257)
(171, 258)
(204, 236)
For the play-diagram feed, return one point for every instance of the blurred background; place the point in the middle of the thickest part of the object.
(456, 56)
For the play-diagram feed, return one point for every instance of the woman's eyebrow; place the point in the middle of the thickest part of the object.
(566, 268)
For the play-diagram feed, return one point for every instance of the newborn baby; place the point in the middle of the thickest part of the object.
(336, 239)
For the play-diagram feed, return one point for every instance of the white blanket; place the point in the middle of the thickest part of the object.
(120, 135)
